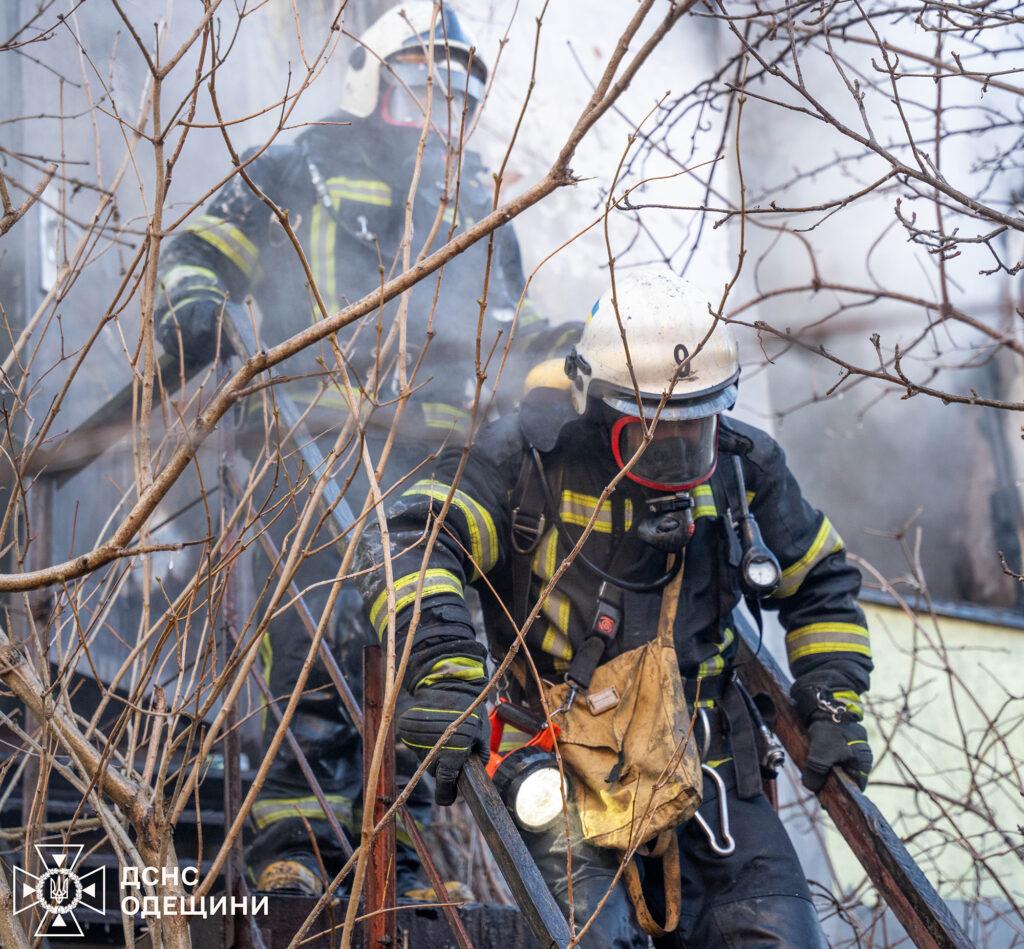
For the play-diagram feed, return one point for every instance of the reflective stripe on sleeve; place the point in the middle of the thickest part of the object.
(851, 700)
(483, 535)
(229, 240)
(361, 190)
(820, 638)
(198, 277)
(435, 581)
(270, 810)
(455, 667)
(444, 417)
(826, 542)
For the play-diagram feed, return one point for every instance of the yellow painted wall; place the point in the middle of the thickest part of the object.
(933, 716)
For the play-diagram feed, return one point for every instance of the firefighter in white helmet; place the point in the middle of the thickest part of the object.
(345, 182)
(636, 638)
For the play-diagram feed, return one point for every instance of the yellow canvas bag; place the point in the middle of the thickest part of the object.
(634, 767)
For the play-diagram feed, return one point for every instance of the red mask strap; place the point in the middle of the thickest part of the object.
(619, 425)
(388, 118)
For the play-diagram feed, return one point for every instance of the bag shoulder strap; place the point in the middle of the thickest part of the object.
(669, 608)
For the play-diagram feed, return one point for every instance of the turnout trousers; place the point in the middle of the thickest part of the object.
(754, 898)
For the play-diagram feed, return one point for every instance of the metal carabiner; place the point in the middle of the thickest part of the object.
(729, 846)
(566, 706)
(702, 714)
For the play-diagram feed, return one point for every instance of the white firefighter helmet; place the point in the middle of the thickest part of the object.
(675, 348)
(406, 29)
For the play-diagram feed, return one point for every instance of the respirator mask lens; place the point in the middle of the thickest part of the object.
(405, 107)
(405, 97)
(682, 453)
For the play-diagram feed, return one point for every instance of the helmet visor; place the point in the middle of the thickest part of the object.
(698, 405)
(410, 69)
(681, 454)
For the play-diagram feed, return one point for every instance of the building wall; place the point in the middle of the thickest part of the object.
(945, 709)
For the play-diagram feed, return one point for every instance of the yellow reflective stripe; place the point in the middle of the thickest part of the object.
(180, 272)
(315, 253)
(556, 640)
(704, 502)
(268, 811)
(544, 558)
(716, 664)
(413, 744)
(556, 609)
(322, 230)
(200, 294)
(577, 509)
(483, 535)
(436, 580)
(442, 415)
(331, 231)
(826, 542)
(229, 240)
(455, 667)
(362, 190)
(556, 643)
(820, 638)
(444, 711)
(851, 700)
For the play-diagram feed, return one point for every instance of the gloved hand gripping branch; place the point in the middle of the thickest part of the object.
(837, 739)
(446, 673)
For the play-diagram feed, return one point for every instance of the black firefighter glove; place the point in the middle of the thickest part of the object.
(428, 713)
(196, 319)
(836, 738)
(447, 672)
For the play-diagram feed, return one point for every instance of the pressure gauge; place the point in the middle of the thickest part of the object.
(761, 573)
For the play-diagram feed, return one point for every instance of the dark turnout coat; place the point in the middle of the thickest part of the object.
(826, 638)
(344, 184)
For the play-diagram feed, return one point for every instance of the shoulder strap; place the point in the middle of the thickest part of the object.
(729, 487)
(526, 527)
(669, 607)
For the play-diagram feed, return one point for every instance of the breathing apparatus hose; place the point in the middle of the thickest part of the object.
(631, 585)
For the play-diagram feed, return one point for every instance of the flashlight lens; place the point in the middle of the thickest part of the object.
(762, 574)
(539, 799)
